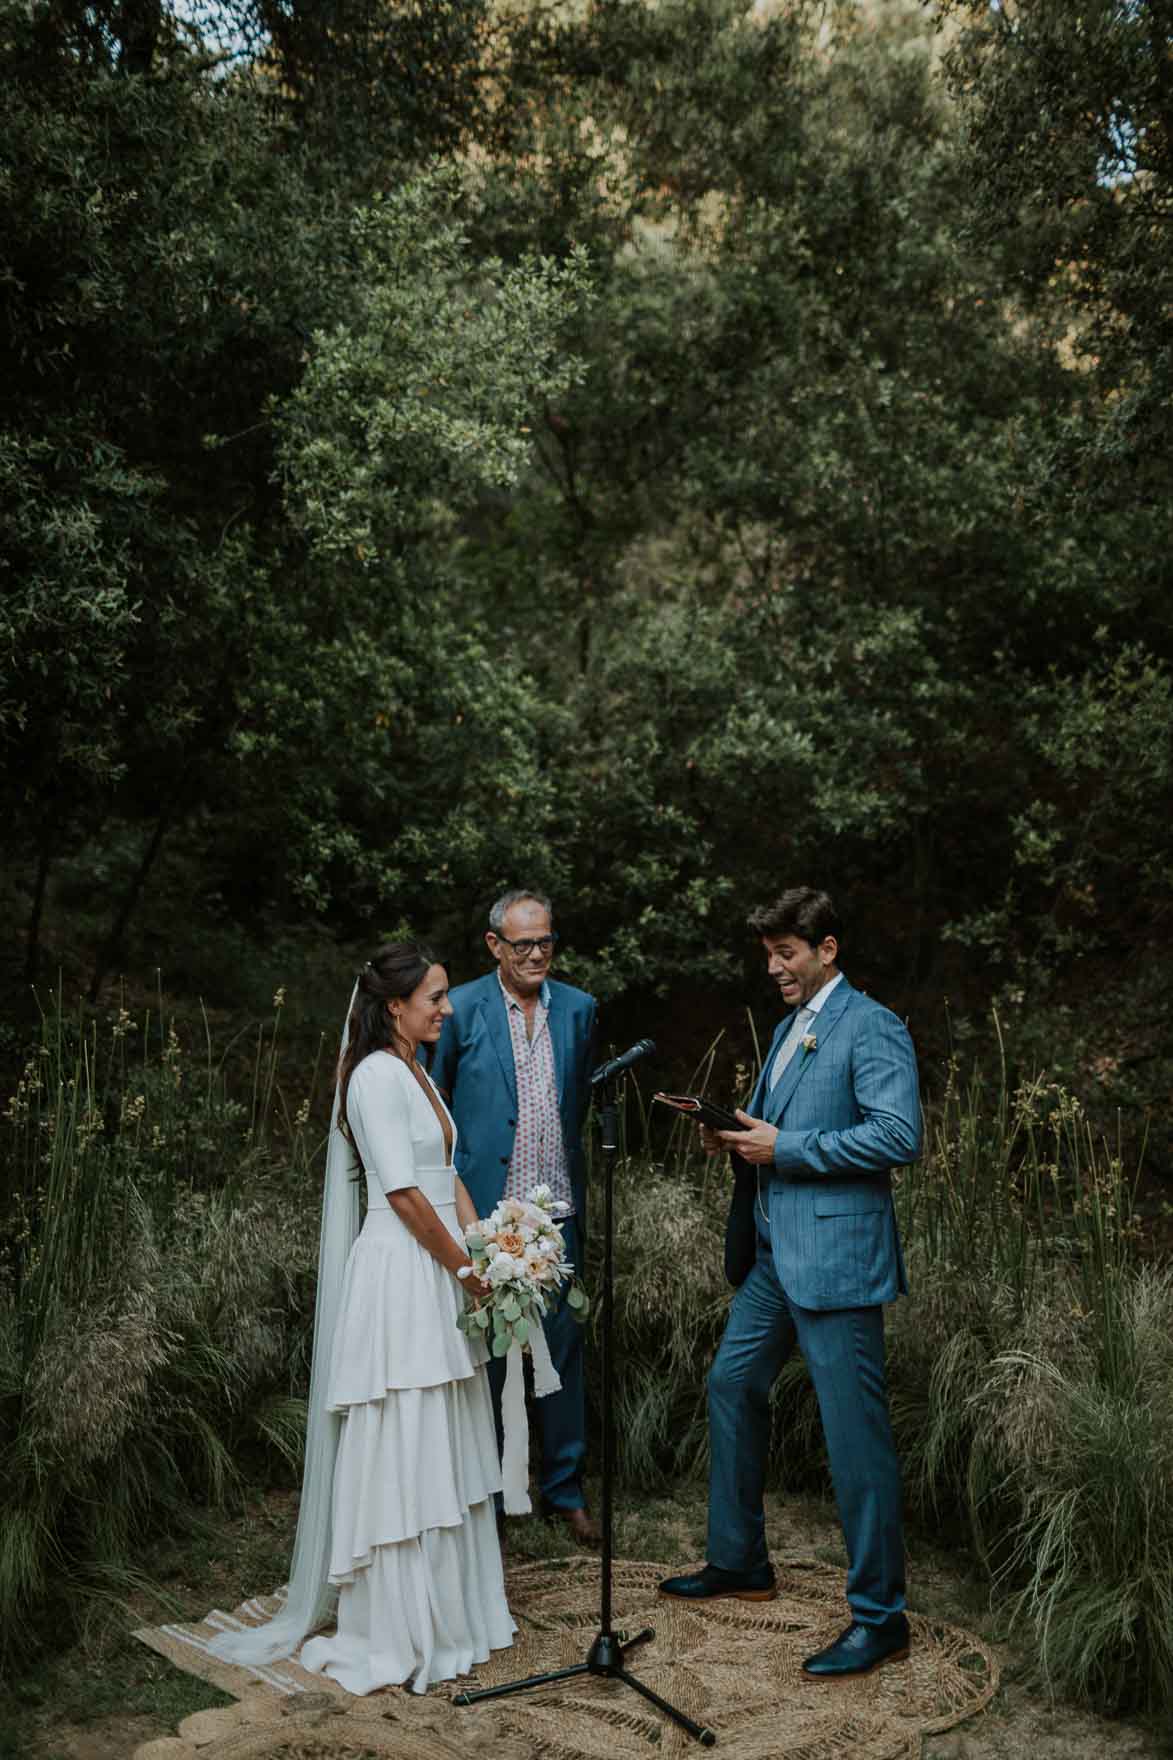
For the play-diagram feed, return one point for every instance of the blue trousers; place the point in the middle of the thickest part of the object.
(844, 1352)
(561, 1416)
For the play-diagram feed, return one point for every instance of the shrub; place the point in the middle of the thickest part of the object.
(1078, 1444)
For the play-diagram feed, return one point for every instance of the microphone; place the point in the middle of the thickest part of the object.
(617, 1065)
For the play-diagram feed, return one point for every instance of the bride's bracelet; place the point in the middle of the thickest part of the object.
(463, 1271)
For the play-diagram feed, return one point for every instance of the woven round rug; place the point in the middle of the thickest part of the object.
(731, 1665)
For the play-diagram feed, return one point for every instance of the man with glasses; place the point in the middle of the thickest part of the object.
(515, 1061)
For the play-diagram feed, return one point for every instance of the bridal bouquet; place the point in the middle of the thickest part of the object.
(520, 1253)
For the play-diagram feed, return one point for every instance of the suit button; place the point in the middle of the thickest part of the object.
(512, 1123)
(505, 1161)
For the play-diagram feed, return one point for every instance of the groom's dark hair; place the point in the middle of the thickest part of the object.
(801, 911)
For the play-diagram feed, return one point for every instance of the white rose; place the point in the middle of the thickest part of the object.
(504, 1268)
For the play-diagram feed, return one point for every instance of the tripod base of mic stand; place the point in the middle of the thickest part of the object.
(605, 1657)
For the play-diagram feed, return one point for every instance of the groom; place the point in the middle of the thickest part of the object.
(835, 1109)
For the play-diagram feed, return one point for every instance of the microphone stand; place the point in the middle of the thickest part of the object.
(607, 1653)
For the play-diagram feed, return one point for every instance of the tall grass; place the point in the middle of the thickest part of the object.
(1033, 1379)
(155, 1287)
(1077, 1450)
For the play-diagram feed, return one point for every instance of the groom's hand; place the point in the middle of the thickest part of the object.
(756, 1144)
(711, 1142)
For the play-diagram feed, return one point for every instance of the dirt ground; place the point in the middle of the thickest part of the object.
(107, 1694)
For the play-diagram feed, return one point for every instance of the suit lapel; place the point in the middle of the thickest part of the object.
(497, 1022)
(822, 1027)
(761, 1094)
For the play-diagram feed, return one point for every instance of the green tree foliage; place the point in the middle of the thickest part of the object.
(429, 770)
(784, 507)
(1067, 135)
(1069, 119)
(197, 334)
(819, 540)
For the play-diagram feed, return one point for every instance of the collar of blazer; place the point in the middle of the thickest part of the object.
(823, 1025)
(496, 1014)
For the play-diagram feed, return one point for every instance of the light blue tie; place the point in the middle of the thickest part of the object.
(791, 1043)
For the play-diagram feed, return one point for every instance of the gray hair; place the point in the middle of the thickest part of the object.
(516, 895)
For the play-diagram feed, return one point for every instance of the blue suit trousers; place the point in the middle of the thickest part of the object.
(561, 1416)
(844, 1352)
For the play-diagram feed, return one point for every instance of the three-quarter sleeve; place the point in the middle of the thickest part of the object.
(377, 1109)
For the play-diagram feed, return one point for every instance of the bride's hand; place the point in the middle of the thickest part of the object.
(475, 1287)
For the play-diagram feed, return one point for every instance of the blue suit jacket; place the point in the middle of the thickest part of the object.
(847, 1113)
(474, 1066)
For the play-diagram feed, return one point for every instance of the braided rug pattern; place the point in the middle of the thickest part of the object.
(733, 1665)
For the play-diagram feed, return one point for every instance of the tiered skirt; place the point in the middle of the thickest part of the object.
(414, 1547)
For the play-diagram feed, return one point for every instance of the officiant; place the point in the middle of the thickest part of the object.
(514, 1059)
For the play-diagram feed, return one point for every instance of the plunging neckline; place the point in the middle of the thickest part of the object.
(431, 1093)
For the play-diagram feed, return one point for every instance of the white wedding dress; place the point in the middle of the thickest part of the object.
(414, 1550)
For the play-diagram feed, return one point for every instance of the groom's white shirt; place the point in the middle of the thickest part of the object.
(816, 1001)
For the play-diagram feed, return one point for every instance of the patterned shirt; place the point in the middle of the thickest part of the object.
(539, 1154)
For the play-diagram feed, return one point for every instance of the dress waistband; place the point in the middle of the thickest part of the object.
(438, 1184)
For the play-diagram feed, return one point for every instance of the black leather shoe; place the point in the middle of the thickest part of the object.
(860, 1649)
(710, 1584)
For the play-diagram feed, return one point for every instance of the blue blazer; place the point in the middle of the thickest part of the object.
(847, 1113)
(474, 1066)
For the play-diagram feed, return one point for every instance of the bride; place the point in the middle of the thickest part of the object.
(397, 1516)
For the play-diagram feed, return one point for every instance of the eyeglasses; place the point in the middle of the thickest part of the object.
(544, 944)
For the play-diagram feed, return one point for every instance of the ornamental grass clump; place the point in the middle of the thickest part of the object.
(670, 1305)
(1032, 1380)
(1077, 1442)
(153, 1319)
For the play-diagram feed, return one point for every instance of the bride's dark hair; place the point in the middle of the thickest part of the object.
(391, 974)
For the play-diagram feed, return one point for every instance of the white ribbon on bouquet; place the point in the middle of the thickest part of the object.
(515, 1450)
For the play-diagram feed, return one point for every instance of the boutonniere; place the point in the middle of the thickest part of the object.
(810, 1042)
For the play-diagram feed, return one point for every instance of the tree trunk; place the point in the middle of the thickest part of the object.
(138, 28)
(126, 909)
